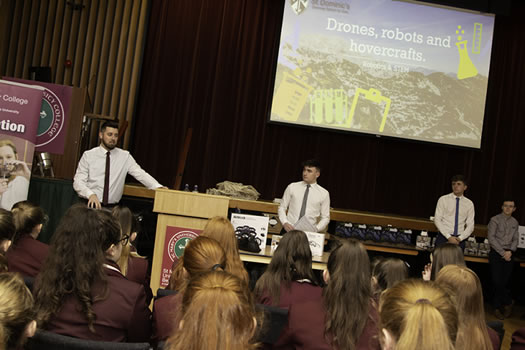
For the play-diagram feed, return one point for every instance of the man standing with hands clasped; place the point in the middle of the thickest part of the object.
(101, 172)
(454, 217)
(306, 200)
(503, 239)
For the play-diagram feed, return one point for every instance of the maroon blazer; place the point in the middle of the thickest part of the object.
(166, 316)
(27, 256)
(494, 338)
(305, 331)
(297, 292)
(518, 340)
(123, 316)
(138, 272)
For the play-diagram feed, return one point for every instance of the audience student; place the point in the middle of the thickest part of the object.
(464, 287)
(386, 273)
(200, 255)
(80, 291)
(17, 318)
(289, 277)
(518, 339)
(346, 315)
(446, 254)
(7, 229)
(220, 229)
(27, 254)
(218, 313)
(131, 264)
(415, 315)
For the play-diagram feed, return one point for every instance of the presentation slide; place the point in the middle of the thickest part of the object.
(389, 68)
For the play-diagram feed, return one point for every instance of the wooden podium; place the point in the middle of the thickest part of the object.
(187, 210)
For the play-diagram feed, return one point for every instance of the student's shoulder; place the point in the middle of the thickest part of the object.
(322, 189)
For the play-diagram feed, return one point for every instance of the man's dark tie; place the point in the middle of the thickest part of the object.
(105, 195)
(456, 219)
(305, 198)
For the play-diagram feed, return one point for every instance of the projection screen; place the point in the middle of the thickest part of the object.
(394, 68)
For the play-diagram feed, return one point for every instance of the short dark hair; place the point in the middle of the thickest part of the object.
(459, 177)
(312, 163)
(109, 124)
(509, 199)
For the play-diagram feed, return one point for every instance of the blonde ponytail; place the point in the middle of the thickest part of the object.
(424, 329)
(419, 315)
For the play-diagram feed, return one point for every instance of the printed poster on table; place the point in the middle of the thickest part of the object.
(54, 115)
(19, 113)
(176, 240)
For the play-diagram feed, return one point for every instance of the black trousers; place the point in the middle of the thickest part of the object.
(501, 271)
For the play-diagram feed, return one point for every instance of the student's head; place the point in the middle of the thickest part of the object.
(347, 296)
(28, 218)
(128, 225)
(200, 255)
(416, 314)
(446, 254)
(387, 272)
(17, 317)
(85, 238)
(291, 261)
(221, 229)
(7, 229)
(459, 184)
(128, 222)
(7, 152)
(218, 312)
(463, 285)
(109, 134)
(311, 170)
(509, 206)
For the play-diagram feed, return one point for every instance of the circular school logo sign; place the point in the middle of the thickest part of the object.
(178, 243)
(51, 119)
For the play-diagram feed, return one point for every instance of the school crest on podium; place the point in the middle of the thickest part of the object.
(298, 6)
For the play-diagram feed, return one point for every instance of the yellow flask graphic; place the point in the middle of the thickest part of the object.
(466, 68)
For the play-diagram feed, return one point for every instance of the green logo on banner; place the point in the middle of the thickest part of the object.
(46, 118)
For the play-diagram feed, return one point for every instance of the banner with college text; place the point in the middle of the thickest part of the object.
(19, 114)
(54, 116)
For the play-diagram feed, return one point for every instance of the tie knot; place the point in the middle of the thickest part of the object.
(107, 154)
(308, 186)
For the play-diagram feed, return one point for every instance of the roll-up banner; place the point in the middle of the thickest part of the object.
(20, 106)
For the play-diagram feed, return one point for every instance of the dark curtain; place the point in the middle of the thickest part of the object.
(209, 66)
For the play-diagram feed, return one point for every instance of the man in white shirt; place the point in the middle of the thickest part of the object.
(91, 182)
(306, 198)
(454, 217)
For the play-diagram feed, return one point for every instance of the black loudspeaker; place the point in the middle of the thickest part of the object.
(42, 74)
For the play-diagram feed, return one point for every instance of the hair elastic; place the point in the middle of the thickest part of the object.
(423, 301)
(216, 266)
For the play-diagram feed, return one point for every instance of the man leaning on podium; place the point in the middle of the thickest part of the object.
(101, 172)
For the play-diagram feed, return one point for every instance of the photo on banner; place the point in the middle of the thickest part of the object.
(19, 116)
